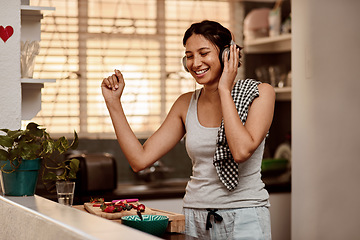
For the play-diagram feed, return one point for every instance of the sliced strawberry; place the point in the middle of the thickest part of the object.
(141, 207)
(110, 209)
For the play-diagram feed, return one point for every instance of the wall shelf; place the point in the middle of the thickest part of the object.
(31, 96)
(283, 94)
(31, 88)
(36, 8)
(36, 81)
(281, 43)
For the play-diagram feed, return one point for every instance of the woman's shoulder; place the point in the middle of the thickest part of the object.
(261, 86)
(185, 97)
(183, 101)
(253, 88)
(265, 88)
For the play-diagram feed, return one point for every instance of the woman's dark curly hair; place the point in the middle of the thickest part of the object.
(212, 31)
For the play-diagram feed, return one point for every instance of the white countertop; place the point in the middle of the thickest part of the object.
(38, 218)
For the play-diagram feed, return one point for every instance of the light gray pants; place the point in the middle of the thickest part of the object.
(240, 223)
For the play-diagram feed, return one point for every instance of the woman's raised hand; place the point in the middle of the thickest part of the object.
(112, 87)
(230, 68)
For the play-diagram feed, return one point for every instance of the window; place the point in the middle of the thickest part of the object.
(83, 41)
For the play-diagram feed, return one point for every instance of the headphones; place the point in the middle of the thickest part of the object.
(222, 54)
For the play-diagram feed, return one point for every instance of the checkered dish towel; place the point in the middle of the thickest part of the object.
(243, 93)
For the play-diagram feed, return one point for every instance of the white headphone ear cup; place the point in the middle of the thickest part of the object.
(223, 56)
(226, 50)
(184, 63)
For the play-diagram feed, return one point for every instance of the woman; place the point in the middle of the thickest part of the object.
(225, 123)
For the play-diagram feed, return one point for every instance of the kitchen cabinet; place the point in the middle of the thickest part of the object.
(31, 88)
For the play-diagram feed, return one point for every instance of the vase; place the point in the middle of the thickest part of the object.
(22, 181)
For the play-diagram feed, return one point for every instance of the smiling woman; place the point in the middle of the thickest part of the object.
(85, 40)
(225, 122)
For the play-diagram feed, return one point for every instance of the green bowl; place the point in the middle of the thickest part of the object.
(153, 224)
(274, 164)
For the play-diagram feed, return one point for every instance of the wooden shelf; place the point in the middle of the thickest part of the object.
(281, 43)
(283, 94)
(283, 90)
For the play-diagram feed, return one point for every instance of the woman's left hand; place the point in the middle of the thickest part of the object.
(230, 68)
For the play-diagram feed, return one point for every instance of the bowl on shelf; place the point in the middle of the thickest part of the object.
(274, 165)
(152, 224)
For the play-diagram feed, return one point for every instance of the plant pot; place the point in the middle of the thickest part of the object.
(21, 182)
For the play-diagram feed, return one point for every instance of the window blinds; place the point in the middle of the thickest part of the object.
(83, 41)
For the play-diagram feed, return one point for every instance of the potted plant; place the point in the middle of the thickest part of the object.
(22, 154)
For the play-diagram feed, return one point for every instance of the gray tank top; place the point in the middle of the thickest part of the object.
(204, 189)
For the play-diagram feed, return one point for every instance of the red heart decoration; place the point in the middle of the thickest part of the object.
(6, 33)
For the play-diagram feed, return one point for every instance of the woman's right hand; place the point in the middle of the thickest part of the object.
(112, 87)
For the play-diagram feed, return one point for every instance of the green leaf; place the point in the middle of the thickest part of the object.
(32, 125)
(74, 164)
(4, 130)
(15, 134)
(14, 154)
(4, 155)
(72, 175)
(75, 142)
(6, 141)
(63, 176)
(64, 143)
(29, 150)
(61, 145)
(34, 129)
(48, 147)
(74, 168)
(49, 176)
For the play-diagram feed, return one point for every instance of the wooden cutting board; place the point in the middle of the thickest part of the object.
(117, 215)
(176, 220)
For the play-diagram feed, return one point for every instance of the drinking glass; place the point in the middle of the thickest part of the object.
(65, 192)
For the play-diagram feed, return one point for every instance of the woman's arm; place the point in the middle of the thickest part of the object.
(163, 140)
(243, 140)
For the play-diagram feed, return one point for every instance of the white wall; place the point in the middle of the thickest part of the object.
(10, 86)
(280, 213)
(325, 119)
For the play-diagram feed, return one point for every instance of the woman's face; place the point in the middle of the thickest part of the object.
(202, 59)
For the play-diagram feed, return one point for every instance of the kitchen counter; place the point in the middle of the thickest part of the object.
(164, 189)
(161, 189)
(38, 218)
